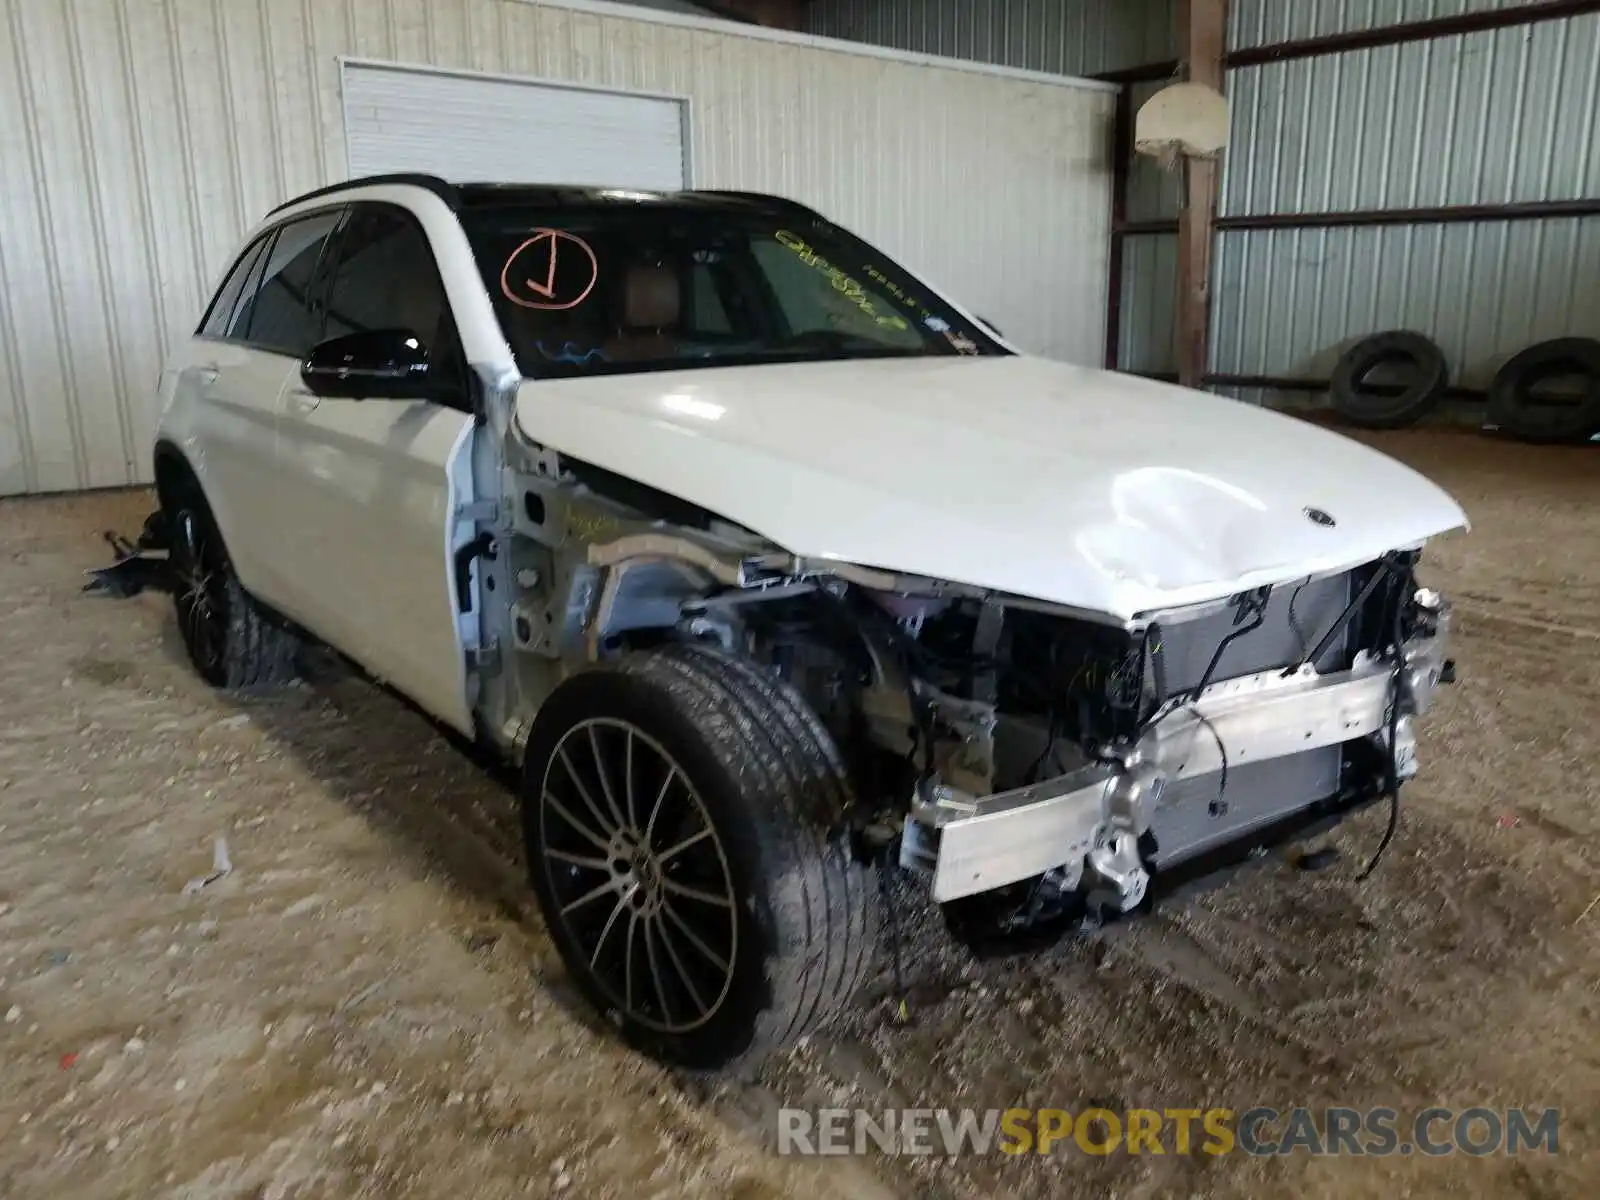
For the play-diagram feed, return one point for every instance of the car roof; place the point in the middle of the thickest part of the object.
(462, 196)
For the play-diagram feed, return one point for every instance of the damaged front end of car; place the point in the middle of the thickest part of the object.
(1026, 755)
(1197, 732)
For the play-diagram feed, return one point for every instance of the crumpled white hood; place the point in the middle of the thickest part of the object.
(1086, 488)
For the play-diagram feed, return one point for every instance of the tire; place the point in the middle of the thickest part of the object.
(710, 743)
(1360, 405)
(232, 643)
(1513, 407)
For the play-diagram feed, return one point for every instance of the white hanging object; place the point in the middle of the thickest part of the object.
(1188, 119)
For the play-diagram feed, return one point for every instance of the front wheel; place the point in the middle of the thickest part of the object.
(683, 819)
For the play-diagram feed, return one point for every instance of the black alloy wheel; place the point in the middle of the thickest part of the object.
(639, 876)
(683, 815)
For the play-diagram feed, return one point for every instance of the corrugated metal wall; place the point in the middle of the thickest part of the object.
(139, 138)
(1484, 118)
(1264, 22)
(1064, 37)
(1068, 37)
(1507, 115)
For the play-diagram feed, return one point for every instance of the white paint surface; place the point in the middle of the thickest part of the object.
(1106, 492)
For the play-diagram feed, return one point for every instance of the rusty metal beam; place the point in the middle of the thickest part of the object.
(1413, 31)
(1167, 68)
(1367, 39)
(1294, 383)
(1525, 210)
(1520, 210)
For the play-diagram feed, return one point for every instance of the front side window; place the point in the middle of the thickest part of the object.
(386, 278)
(282, 316)
(611, 288)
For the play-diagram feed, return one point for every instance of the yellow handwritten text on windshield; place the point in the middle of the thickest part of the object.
(840, 281)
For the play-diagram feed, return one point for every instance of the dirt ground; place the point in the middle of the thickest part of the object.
(368, 1005)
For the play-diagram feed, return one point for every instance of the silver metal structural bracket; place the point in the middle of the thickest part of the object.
(1087, 822)
(1425, 659)
(990, 842)
(1264, 716)
(480, 512)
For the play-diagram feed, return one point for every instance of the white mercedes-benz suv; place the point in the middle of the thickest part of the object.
(768, 567)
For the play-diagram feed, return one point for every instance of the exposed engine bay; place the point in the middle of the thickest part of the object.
(1000, 745)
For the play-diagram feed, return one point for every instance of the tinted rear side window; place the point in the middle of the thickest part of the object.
(219, 316)
(282, 315)
(239, 322)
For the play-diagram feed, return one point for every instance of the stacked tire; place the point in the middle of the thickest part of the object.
(1521, 405)
(1418, 361)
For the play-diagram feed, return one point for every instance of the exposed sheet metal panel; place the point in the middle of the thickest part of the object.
(1264, 22)
(1149, 332)
(1071, 37)
(1288, 302)
(1065, 37)
(1477, 119)
(141, 139)
(1501, 116)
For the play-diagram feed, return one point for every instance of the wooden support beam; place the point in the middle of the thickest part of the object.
(1121, 165)
(1202, 39)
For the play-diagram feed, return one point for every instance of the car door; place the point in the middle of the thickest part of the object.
(251, 343)
(365, 485)
(231, 450)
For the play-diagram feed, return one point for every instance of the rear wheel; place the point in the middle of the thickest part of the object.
(230, 641)
(683, 817)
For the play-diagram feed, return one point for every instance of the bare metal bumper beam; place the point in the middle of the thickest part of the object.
(975, 844)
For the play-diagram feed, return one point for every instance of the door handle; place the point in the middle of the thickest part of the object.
(207, 375)
(303, 401)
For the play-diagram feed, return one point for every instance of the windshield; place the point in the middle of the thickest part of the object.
(605, 289)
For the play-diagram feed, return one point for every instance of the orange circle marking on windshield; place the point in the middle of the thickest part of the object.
(537, 272)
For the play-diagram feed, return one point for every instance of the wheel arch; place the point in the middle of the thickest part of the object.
(173, 474)
(176, 479)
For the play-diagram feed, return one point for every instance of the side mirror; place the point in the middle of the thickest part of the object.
(375, 364)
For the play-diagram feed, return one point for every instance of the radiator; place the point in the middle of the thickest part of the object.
(1199, 813)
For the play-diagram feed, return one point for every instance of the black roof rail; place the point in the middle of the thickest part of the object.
(753, 197)
(762, 199)
(439, 187)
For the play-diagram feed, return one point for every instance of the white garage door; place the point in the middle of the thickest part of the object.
(477, 128)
